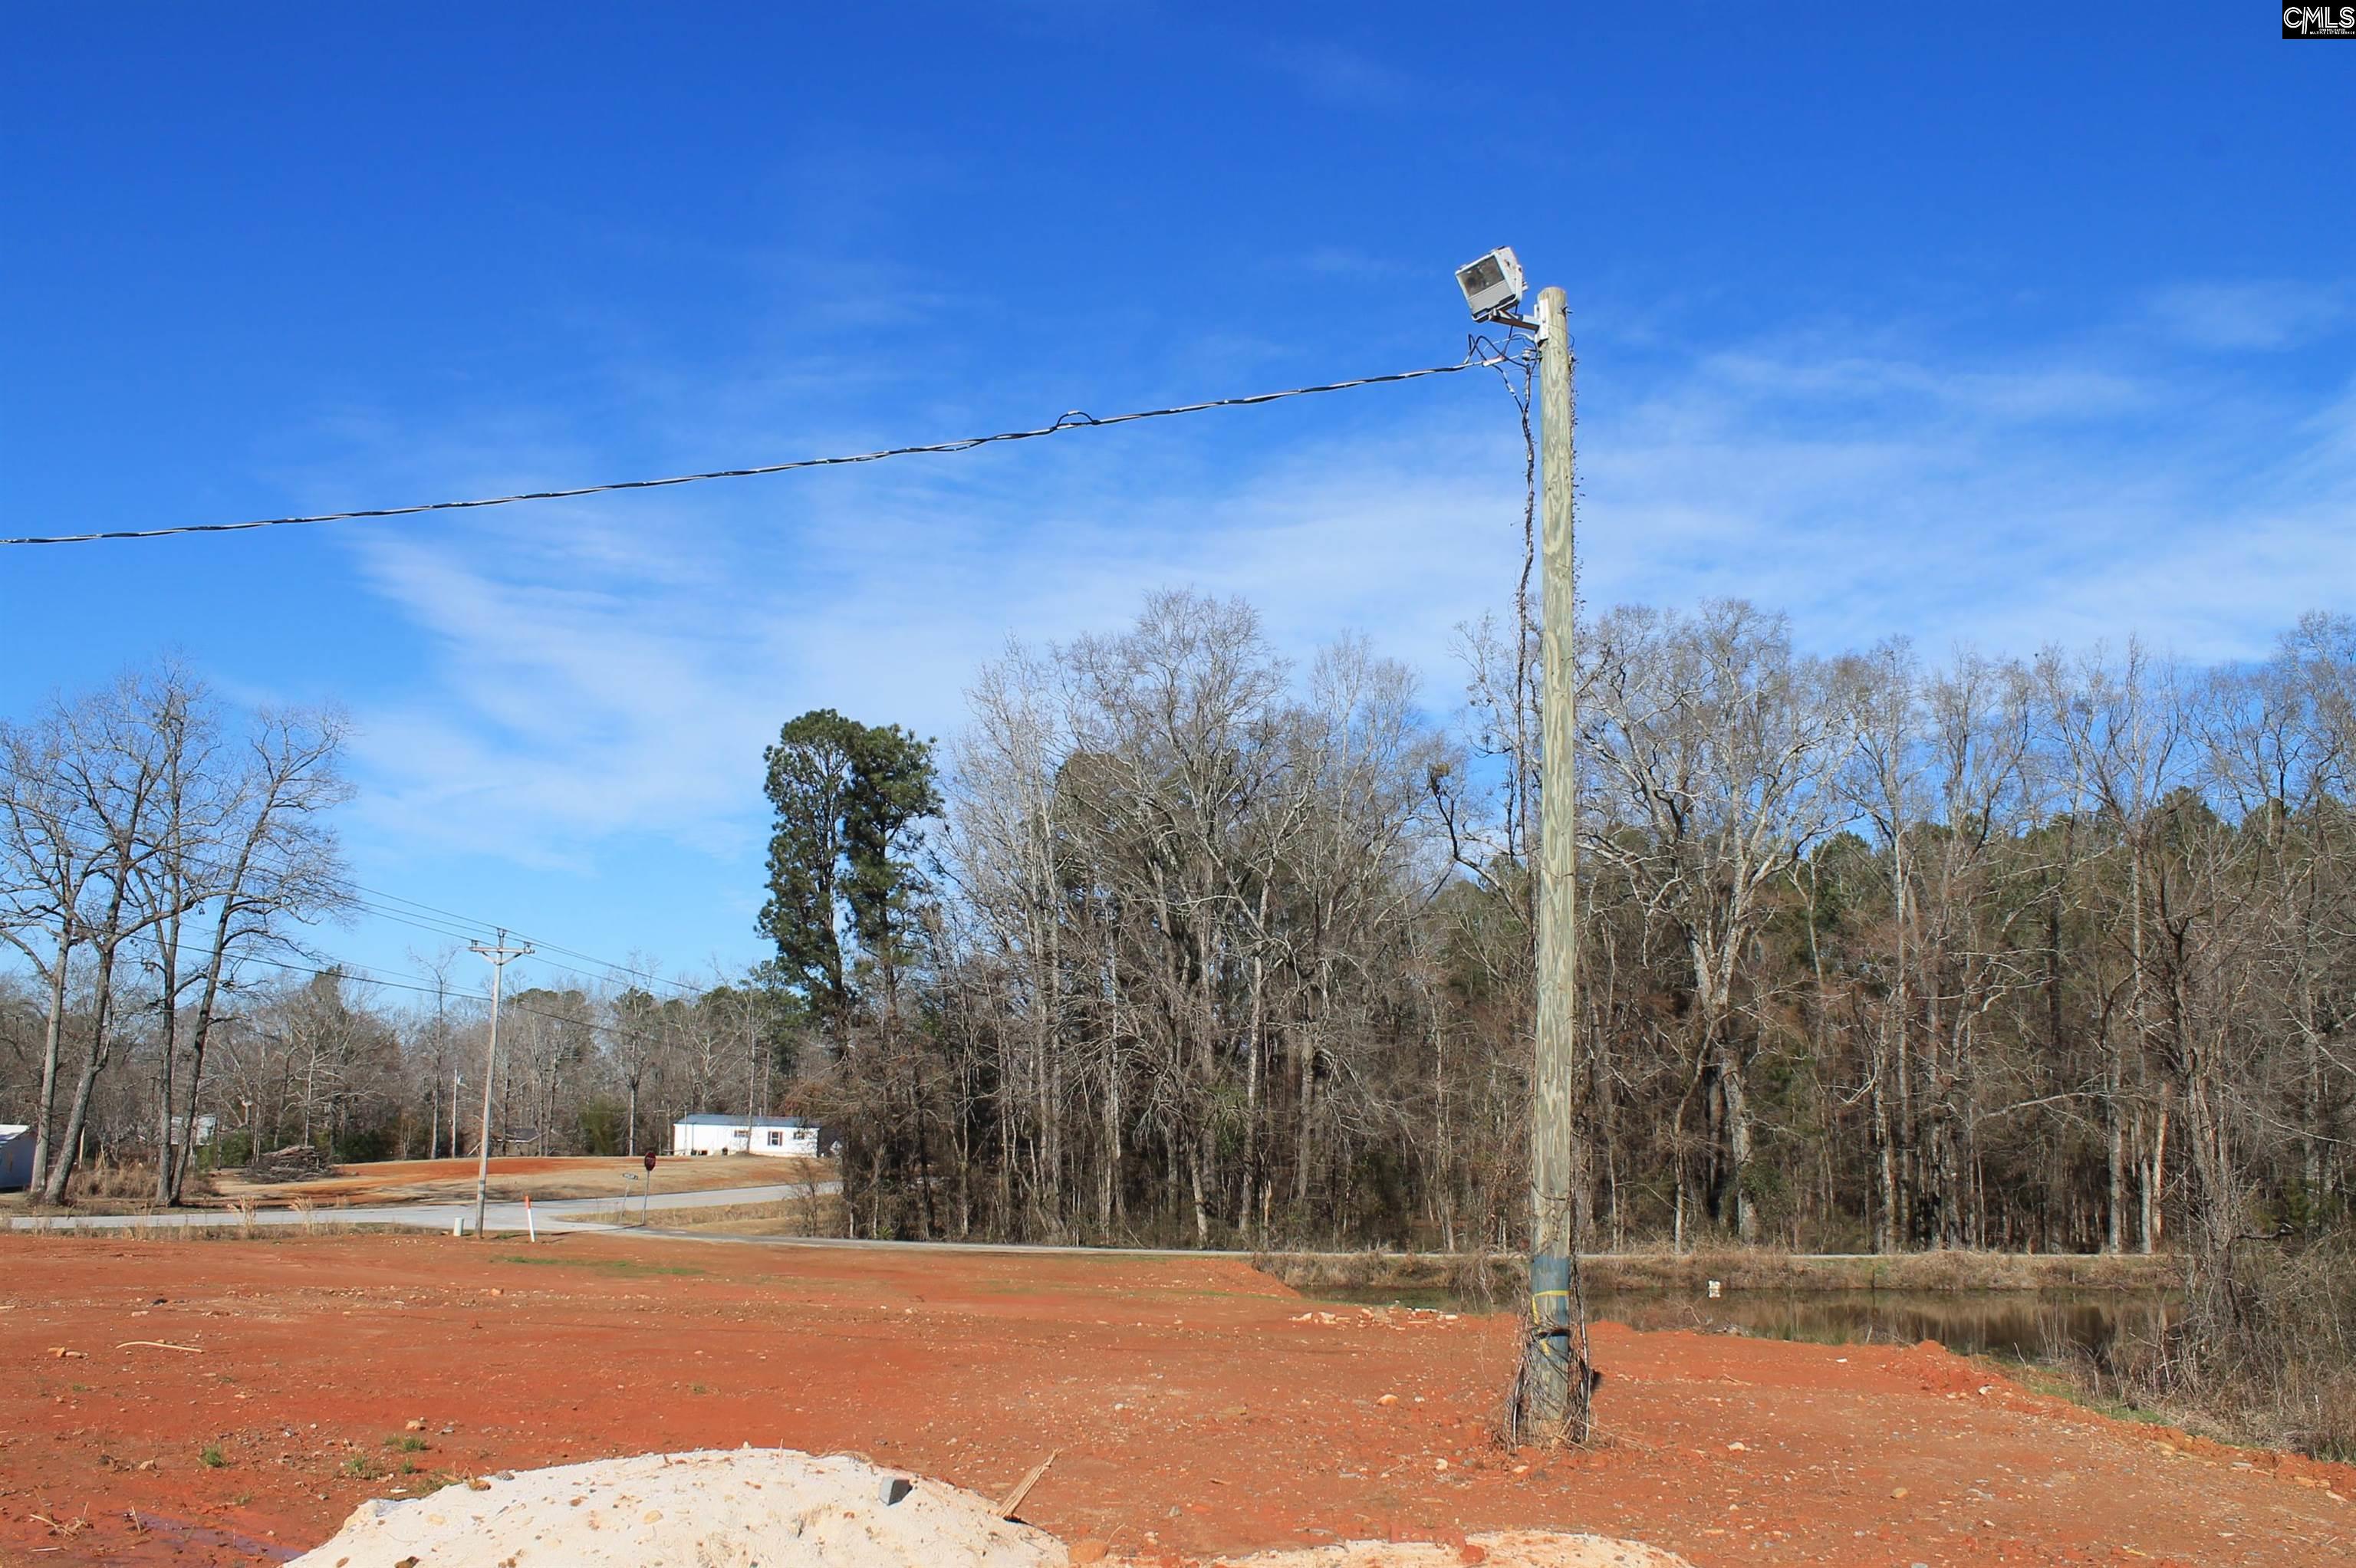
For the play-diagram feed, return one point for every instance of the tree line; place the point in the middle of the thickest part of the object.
(1175, 941)
(364, 1069)
(1877, 953)
(168, 867)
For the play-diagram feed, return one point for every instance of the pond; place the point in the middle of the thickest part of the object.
(2021, 1325)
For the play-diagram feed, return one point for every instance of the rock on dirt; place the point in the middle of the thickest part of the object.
(747, 1508)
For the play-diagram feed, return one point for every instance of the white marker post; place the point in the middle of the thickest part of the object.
(530, 1230)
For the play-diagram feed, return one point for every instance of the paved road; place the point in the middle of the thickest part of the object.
(722, 1239)
(561, 1214)
(552, 1214)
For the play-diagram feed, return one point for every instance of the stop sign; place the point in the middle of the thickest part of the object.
(650, 1165)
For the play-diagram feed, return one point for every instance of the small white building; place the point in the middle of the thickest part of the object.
(15, 1157)
(781, 1137)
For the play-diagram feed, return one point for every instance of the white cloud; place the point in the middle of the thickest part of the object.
(1991, 505)
(597, 671)
(601, 668)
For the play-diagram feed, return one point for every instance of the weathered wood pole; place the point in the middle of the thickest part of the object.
(500, 955)
(1557, 965)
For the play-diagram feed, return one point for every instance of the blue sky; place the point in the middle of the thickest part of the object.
(2014, 325)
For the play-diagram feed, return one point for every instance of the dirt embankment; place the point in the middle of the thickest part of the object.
(445, 1181)
(452, 1180)
(225, 1400)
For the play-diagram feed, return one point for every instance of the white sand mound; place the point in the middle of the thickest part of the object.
(748, 1508)
(778, 1508)
(1512, 1549)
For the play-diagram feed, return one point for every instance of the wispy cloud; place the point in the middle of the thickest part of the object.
(1341, 262)
(598, 670)
(2274, 315)
(609, 669)
(1336, 75)
(1815, 373)
(1999, 506)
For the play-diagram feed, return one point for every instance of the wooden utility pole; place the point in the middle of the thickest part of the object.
(500, 955)
(1551, 1397)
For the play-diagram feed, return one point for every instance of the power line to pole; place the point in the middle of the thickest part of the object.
(500, 955)
(1075, 420)
(1558, 1370)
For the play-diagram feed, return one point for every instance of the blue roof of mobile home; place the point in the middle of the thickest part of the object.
(706, 1119)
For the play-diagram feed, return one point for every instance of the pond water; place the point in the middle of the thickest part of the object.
(2030, 1326)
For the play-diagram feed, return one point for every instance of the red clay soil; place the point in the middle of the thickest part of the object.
(1198, 1406)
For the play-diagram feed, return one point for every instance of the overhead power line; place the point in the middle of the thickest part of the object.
(1075, 420)
(434, 919)
(394, 980)
(431, 919)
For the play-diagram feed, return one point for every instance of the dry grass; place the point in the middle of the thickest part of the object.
(1491, 1278)
(1951, 1270)
(103, 1180)
(2269, 1360)
(109, 1187)
(803, 1214)
(213, 1227)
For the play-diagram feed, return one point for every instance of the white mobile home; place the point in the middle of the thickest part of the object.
(781, 1137)
(15, 1157)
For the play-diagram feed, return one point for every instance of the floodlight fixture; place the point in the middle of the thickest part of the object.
(1492, 285)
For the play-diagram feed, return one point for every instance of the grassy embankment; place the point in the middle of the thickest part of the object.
(1498, 1279)
(797, 1214)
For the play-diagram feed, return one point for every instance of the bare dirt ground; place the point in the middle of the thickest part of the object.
(452, 1180)
(1198, 1407)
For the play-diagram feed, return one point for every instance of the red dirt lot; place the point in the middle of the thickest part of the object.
(1199, 1407)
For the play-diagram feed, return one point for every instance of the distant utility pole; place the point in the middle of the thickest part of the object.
(1552, 1395)
(501, 955)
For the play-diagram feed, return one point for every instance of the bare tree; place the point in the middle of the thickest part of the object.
(133, 832)
(247, 854)
(1714, 746)
(50, 865)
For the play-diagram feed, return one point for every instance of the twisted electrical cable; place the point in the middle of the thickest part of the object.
(1075, 420)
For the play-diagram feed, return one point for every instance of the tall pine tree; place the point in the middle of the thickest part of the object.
(848, 799)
